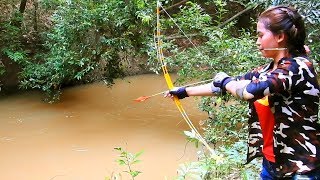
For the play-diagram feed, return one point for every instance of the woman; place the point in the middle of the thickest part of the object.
(286, 133)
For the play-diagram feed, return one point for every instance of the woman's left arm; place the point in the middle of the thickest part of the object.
(238, 89)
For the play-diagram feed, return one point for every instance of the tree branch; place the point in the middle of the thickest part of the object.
(235, 16)
(219, 26)
(177, 4)
(181, 36)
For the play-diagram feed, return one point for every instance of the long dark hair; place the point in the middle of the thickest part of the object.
(285, 19)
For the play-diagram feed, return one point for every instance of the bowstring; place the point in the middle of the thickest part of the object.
(169, 81)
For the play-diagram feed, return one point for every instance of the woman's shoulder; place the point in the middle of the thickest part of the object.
(297, 58)
(296, 64)
(297, 61)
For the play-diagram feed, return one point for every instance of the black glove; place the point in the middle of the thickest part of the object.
(215, 90)
(221, 79)
(180, 92)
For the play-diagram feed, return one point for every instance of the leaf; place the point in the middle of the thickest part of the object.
(118, 148)
(189, 134)
(121, 162)
(135, 173)
(138, 154)
(135, 161)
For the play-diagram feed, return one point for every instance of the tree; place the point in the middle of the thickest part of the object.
(88, 36)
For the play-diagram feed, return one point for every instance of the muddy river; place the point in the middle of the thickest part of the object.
(75, 138)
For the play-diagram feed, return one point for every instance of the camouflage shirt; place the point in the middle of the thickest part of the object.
(293, 92)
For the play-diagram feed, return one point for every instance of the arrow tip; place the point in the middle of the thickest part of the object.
(142, 98)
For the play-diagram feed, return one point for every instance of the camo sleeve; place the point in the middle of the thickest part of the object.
(290, 75)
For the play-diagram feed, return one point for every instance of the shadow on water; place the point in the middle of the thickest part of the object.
(74, 139)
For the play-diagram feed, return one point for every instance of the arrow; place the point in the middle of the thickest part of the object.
(143, 98)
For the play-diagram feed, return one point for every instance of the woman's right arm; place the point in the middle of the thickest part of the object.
(202, 90)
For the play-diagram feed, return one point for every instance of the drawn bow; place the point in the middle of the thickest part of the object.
(170, 85)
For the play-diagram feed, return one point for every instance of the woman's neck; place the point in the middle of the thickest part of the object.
(280, 55)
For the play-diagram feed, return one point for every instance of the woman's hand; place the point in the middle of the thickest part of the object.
(180, 92)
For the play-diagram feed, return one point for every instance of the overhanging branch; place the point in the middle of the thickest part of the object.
(235, 16)
(219, 26)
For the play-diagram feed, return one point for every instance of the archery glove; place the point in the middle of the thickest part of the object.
(215, 90)
(221, 79)
(180, 92)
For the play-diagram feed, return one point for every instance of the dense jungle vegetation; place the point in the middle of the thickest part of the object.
(50, 44)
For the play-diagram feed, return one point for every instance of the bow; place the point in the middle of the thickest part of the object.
(170, 85)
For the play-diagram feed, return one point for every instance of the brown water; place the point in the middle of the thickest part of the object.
(75, 138)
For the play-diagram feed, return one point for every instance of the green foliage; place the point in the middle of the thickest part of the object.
(219, 50)
(199, 18)
(11, 45)
(226, 163)
(191, 18)
(311, 12)
(87, 37)
(227, 121)
(2, 69)
(192, 137)
(128, 159)
(52, 4)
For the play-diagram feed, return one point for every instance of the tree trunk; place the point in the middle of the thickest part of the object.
(23, 4)
(35, 15)
(17, 21)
